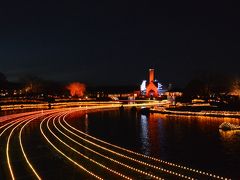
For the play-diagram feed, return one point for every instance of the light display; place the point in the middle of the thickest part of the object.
(152, 88)
(143, 87)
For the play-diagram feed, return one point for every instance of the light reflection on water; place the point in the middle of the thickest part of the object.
(86, 123)
(188, 140)
(144, 135)
(229, 135)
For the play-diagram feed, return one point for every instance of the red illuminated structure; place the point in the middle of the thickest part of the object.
(152, 87)
(76, 89)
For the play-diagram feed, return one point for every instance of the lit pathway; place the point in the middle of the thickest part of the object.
(44, 145)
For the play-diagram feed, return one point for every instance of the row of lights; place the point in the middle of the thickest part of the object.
(18, 120)
(94, 107)
(15, 116)
(86, 157)
(148, 157)
(23, 152)
(63, 154)
(129, 158)
(113, 160)
(8, 147)
(202, 113)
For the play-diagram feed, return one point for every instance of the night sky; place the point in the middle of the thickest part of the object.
(116, 42)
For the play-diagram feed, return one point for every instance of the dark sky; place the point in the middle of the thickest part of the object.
(116, 42)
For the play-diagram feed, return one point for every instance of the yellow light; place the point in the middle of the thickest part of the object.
(24, 154)
(63, 154)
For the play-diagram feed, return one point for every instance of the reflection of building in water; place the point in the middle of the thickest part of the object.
(155, 132)
(144, 135)
(86, 123)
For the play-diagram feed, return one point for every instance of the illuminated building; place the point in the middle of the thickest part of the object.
(143, 87)
(172, 94)
(152, 88)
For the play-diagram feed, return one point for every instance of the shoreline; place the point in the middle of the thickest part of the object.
(229, 114)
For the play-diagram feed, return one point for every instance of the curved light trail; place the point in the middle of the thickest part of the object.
(8, 146)
(63, 154)
(69, 142)
(129, 158)
(86, 157)
(23, 151)
(142, 155)
(106, 157)
(14, 124)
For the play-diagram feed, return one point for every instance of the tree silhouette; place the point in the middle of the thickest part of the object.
(3, 80)
(194, 89)
(235, 88)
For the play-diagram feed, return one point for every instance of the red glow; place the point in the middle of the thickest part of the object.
(76, 89)
(152, 90)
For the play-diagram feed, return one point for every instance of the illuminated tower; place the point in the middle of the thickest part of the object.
(151, 75)
(152, 87)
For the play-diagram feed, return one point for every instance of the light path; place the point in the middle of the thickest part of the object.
(14, 125)
(113, 160)
(8, 147)
(64, 155)
(55, 130)
(84, 156)
(107, 157)
(140, 155)
(23, 151)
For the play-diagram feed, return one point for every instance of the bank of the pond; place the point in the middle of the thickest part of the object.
(230, 114)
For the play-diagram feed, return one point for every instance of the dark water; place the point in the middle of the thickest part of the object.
(191, 141)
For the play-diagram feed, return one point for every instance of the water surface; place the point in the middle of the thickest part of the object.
(191, 141)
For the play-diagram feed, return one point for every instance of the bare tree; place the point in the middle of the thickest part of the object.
(235, 88)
